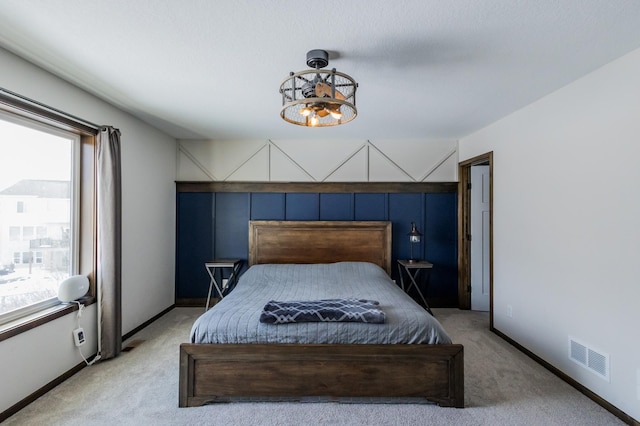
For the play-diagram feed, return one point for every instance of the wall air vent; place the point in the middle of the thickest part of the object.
(589, 358)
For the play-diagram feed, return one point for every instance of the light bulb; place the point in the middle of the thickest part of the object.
(305, 111)
(335, 113)
(314, 119)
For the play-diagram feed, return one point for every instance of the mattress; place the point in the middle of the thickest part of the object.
(236, 318)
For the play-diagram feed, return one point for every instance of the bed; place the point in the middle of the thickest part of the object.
(249, 363)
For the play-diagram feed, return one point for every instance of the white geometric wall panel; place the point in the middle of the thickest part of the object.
(382, 160)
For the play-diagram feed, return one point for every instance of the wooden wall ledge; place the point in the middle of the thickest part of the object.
(319, 187)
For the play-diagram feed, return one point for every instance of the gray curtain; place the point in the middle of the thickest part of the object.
(109, 201)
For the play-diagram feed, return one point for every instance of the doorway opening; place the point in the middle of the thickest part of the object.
(475, 234)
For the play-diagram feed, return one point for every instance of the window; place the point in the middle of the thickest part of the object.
(64, 233)
(27, 233)
(38, 163)
(14, 233)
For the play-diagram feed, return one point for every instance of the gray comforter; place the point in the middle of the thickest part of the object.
(236, 318)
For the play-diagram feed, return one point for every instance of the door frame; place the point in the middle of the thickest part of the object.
(464, 226)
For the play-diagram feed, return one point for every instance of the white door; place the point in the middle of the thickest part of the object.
(480, 238)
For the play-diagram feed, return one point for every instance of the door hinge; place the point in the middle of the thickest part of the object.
(468, 288)
(468, 237)
(469, 185)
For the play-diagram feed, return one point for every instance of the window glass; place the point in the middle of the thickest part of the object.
(36, 213)
(27, 233)
(14, 233)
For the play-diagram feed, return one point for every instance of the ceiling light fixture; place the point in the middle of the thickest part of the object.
(316, 97)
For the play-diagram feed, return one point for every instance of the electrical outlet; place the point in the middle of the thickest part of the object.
(78, 336)
(510, 311)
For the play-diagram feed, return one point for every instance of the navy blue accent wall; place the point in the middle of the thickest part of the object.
(336, 207)
(231, 236)
(194, 243)
(441, 244)
(371, 206)
(302, 206)
(268, 206)
(215, 225)
(404, 209)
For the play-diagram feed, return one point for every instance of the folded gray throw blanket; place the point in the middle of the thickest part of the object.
(325, 310)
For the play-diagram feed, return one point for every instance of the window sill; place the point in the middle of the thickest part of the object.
(32, 321)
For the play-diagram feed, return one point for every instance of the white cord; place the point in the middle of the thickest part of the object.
(97, 357)
(80, 309)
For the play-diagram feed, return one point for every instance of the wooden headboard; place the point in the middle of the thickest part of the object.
(272, 241)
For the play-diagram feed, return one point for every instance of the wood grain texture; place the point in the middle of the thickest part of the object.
(320, 242)
(319, 187)
(220, 373)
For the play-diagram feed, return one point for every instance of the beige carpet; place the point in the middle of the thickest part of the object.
(140, 387)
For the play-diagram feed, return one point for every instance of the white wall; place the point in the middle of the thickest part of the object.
(32, 359)
(566, 236)
(353, 160)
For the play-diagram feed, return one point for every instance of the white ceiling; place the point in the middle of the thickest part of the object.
(429, 69)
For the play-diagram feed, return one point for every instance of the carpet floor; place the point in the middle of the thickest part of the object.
(140, 387)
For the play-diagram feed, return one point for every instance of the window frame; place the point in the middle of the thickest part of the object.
(21, 109)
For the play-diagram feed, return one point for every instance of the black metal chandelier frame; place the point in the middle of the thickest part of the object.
(317, 97)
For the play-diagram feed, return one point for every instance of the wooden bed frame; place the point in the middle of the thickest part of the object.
(235, 372)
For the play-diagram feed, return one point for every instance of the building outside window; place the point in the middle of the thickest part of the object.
(38, 210)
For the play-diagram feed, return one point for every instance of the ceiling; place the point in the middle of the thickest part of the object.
(428, 69)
